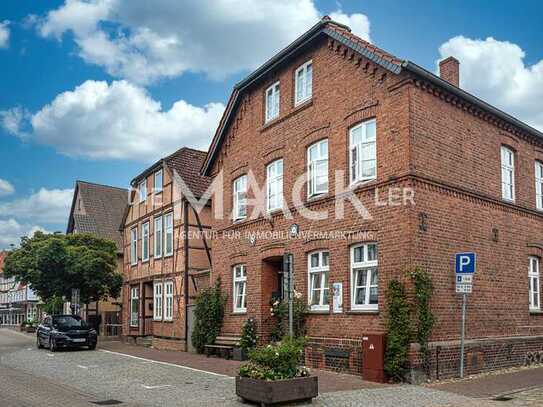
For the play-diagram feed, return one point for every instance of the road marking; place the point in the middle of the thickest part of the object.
(166, 363)
(156, 387)
(86, 367)
(51, 355)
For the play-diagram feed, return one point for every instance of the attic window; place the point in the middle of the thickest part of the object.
(158, 182)
(303, 79)
(143, 191)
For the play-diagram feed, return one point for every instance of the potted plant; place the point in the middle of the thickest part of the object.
(247, 342)
(273, 375)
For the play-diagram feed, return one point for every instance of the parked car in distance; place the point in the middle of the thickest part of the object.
(65, 331)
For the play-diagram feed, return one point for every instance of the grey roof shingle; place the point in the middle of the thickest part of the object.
(104, 209)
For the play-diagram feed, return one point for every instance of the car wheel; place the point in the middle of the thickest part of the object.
(52, 345)
(38, 342)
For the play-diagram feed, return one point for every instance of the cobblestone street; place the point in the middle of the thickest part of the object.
(32, 377)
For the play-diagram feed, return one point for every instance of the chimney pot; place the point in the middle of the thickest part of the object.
(449, 70)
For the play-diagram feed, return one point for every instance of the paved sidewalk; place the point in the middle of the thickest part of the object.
(328, 381)
(493, 385)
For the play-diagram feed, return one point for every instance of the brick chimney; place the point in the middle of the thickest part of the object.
(449, 69)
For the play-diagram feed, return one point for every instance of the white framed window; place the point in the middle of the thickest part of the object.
(158, 182)
(145, 241)
(318, 268)
(240, 288)
(157, 301)
(272, 102)
(157, 252)
(364, 277)
(508, 173)
(317, 166)
(134, 246)
(533, 275)
(274, 185)
(362, 152)
(142, 188)
(168, 234)
(240, 197)
(303, 86)
(134, 306)
(539, 185)
(168, 300)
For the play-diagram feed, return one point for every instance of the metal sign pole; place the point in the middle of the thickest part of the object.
(290, 284)
(462, 335)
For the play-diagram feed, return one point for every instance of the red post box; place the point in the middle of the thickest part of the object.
(373, 358)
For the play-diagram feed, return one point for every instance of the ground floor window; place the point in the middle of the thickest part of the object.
(318, 268)
(364, 277)
(533, 275)
(168, 300)
(157, 301)
(240, 288)
(134, 306)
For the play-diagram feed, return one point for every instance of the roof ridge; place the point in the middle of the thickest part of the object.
(100, 185)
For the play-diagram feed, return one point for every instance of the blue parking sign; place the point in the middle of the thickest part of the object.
(465, 263)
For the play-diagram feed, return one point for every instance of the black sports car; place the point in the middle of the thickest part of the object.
(63, 331)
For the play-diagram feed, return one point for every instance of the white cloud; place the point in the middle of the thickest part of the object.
(6, 188)
(495, 71)
(121, 121)
(4, 34)
(359, 23)
(11, 232)
(144, 41)
(46, 206)
(14, 120)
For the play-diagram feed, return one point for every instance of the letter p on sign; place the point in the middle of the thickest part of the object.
(465, 263)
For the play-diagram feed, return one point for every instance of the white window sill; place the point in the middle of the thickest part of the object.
(319, 308)
(168, 255)
(240, 311)
(536, 311)
(302, 101)
(508, 200)
(365, 309)
(356, 183)
(145, 261)
(157, 319)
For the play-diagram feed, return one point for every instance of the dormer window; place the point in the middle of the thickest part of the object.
(508, 173)
(303, 83)
(272, 102)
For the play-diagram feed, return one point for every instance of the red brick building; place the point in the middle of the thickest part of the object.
(462, 175)
(157, 258)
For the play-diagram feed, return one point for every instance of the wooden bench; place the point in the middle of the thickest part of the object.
(223, 346)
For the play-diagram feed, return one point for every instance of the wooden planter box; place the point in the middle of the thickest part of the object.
(277, 391)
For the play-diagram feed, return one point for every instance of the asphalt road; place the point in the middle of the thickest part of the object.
(32, 377)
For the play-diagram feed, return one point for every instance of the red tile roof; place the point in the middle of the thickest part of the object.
(187, 163)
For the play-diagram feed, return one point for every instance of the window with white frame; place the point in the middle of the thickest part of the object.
(157, 301)
(508, 173)
(157, 252)
(134, 246)
(533, 275)
(303, 79)
(272, 102)
(274, 185)
(539, 185)
(240, 287)
(134, 306)
(362, 152)
(145, 241)
(317, 165)
(158, 181)
(240, 197)
(143, 190)
(168, 300)
(318, 268)
(168, 234)
(364, 277)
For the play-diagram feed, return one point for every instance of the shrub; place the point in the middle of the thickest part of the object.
(248, 335)
(275, 362)
(398, 331)
(208, 316)
(279, 310)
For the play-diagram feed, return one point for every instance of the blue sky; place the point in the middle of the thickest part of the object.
(96, 90)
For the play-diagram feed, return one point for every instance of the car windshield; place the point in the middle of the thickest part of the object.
(68, 321)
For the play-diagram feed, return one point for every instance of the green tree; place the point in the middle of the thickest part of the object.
(208, 316)
(54, 264)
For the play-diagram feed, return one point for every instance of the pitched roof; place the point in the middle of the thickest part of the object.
(187, 163)
(104, 207)
(343, 35)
